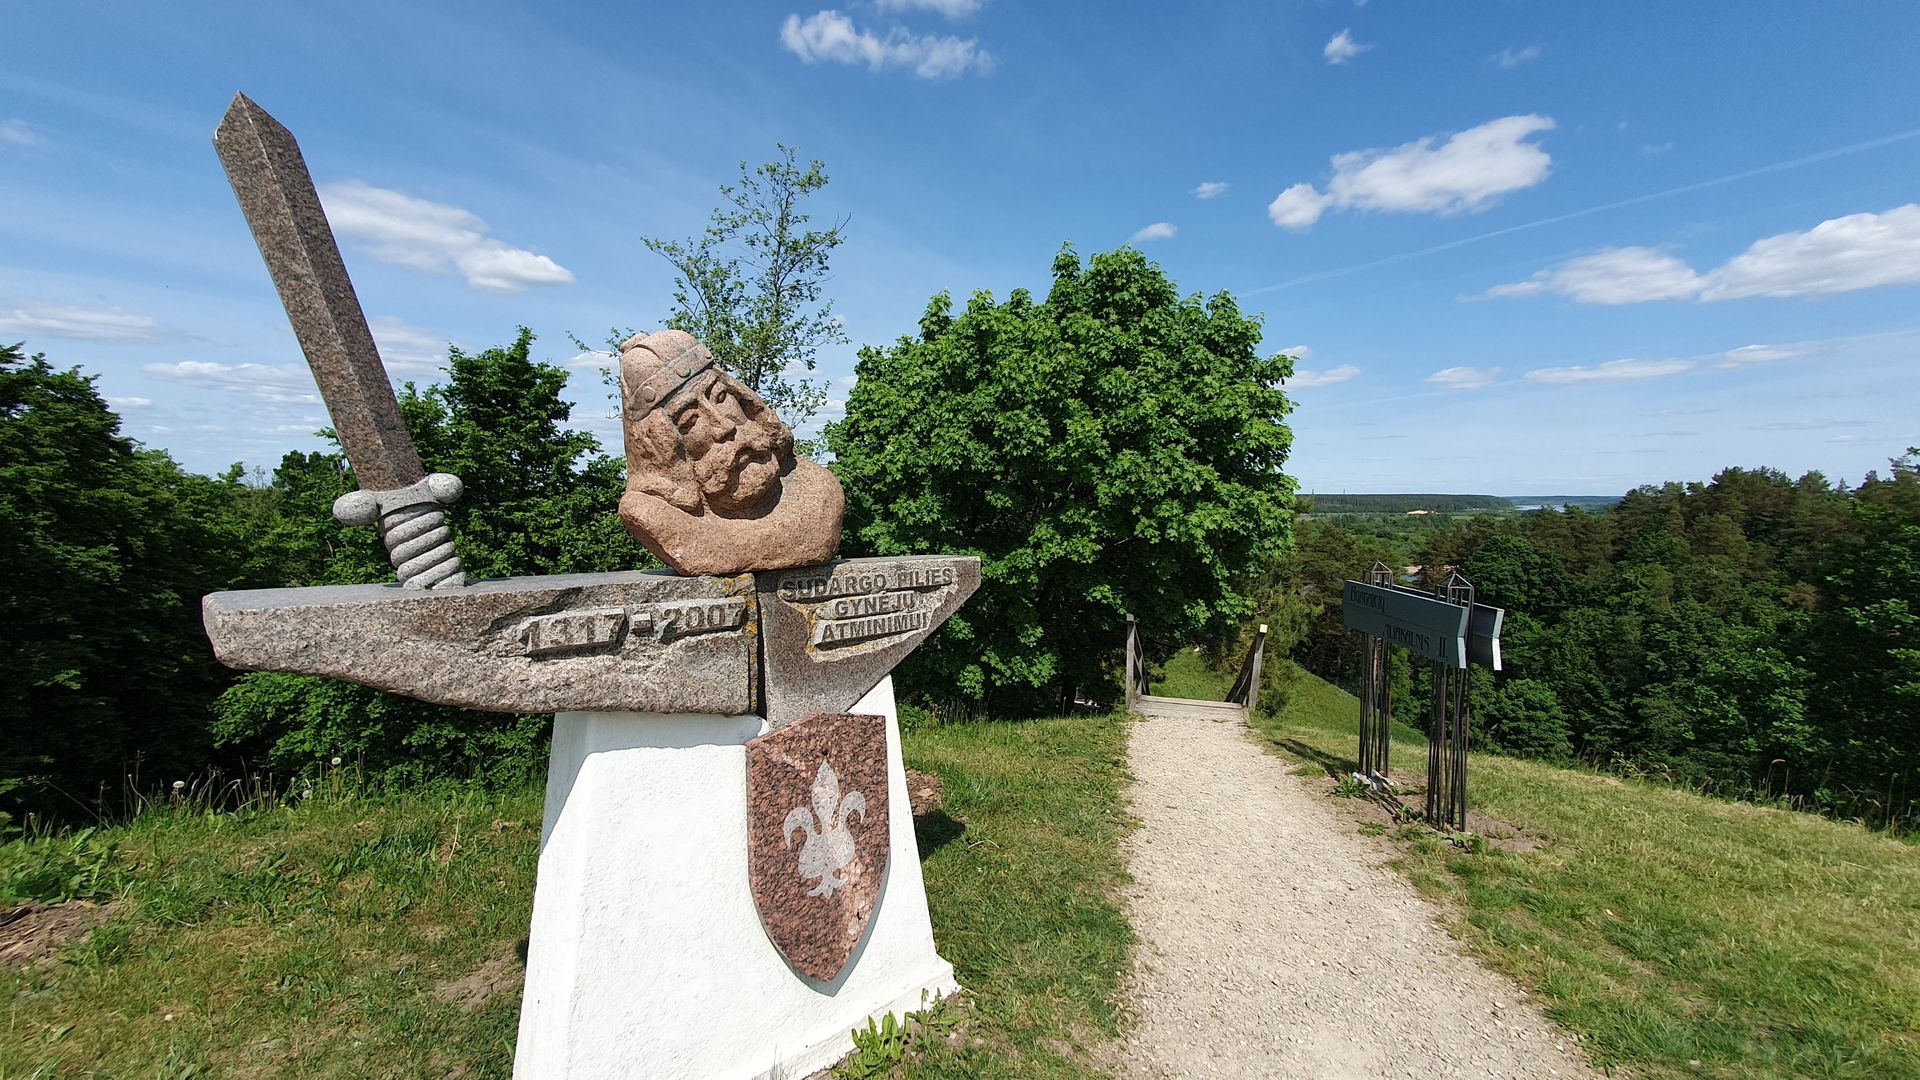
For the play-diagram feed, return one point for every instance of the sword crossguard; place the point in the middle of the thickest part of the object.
(413, 527)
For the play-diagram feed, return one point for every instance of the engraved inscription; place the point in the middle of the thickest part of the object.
(831, 632)
(812, 588)
(683, 618)
(572, 631)
(886, 603)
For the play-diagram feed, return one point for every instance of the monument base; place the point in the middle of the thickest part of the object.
(647, 957)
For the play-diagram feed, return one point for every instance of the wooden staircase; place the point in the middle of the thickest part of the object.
(1240, 701)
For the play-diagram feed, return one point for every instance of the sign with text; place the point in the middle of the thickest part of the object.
(1425, 626)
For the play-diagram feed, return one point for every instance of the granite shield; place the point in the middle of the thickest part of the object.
(817, 835)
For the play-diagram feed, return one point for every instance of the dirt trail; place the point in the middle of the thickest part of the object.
(1275, 942)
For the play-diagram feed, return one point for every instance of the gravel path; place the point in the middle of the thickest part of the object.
(1275, 942)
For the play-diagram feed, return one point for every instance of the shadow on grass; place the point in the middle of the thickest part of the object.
(1336, 766)
(934, 830)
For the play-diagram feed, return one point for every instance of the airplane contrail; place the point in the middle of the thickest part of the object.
(1778, 166)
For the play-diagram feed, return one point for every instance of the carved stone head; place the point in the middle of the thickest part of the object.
(716, 445)
(713, 485)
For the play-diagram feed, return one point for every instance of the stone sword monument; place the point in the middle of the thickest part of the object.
(728, 880)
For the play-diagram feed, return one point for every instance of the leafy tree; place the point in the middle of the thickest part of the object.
(105, 549)
(1525, 717)
(1115, 448)
(750, 286)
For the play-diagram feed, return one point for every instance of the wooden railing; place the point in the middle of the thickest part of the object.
(1246, 685)
(1136, 673)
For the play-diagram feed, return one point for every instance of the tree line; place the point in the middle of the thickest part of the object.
(1753, 634)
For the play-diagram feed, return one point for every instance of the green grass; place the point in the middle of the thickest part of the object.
(1187, 674)
(326, 939)
(1679, 935)
(1025, 900)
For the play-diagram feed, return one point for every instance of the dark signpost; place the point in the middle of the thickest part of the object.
(1445, 628)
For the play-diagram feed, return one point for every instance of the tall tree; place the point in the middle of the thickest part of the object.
(1113, 449)
(750, 287)
(105, 549)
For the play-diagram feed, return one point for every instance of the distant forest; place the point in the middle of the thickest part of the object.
(1754, 634)
(1398, 504)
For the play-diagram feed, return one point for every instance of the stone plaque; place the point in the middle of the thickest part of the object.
(636, 641)
(830, 633)
(817, 835)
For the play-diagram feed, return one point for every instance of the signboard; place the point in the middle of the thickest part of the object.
(1483, 630)
(1425, 626)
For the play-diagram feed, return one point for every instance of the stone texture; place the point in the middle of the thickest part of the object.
(817, 835)
(831, 633)
(275, 191)
(713, 486)
(636, 641)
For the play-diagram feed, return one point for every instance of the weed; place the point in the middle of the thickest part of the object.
(1349, 787)
(877, 1049)
(1373, 828)
(83, 865)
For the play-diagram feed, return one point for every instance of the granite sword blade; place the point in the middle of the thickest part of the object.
(276, 193)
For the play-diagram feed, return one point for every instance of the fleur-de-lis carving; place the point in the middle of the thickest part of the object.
(829, 845)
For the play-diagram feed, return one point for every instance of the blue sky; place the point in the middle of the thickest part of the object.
(1521, 247)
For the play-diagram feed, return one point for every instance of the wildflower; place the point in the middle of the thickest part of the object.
(336, 761)
(179, 785)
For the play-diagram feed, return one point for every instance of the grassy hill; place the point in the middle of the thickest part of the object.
(357, 935)
(1678, 935)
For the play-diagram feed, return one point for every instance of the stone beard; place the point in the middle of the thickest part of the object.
(713, 485)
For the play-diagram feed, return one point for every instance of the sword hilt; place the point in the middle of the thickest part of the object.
(413, 527)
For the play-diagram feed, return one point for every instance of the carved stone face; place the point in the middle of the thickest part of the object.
(696, 436)
(735, 444)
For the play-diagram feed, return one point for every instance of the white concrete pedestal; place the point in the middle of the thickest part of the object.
(647, 958)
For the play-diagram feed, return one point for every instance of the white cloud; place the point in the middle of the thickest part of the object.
(1626, 275)
(1298, 352)
(1463, 175)
(1759, 354)
(1342, 48)
(593, 360)
(1655, 149)
(278, 384)
(832, 37)
(1313, 380)
(1464, 378)
(18, 133)
(81, 324)
(1860, 251)
(435, 237)
(122, 404)
(1613, 371)
(1511, 58)
(952, 9)
(404, 345)
(1210, 189)
(1845, 254)
(1159, 230)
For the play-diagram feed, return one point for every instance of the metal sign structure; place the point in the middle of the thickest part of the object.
(1447, 629)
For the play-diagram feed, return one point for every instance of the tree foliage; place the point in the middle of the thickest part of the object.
(1114, 448)
(750, 287)
(1754, 633)
(105, 549)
